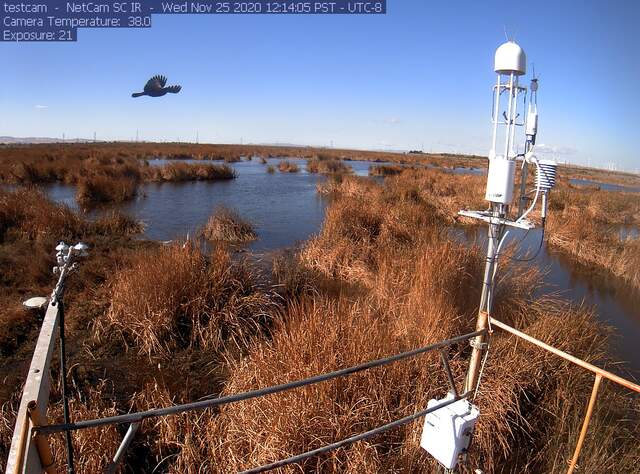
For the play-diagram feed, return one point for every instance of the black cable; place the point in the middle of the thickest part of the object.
(531, 259)
(63, 375)
(208, 403)
(353, 439)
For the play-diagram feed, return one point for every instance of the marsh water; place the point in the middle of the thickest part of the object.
(286, 209)
(604, 186)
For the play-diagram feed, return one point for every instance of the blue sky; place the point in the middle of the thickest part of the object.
(419, 76)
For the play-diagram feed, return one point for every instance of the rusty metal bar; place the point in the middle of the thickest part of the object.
(35, 394)
(585, 423)
(596, 370)
(41, 442)
(24, 434)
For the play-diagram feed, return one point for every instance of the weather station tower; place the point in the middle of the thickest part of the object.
(447, 432)
(510, 65)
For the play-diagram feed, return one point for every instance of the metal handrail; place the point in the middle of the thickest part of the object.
(600, 374)
(586, 365)
(137, 417)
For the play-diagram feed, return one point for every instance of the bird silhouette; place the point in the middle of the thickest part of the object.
(155, 87)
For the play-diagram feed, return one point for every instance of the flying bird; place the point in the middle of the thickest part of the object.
(155, 87)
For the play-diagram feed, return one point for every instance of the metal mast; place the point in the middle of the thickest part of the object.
(510, 63)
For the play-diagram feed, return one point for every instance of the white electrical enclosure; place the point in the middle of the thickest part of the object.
(447, 431)
(500, 181)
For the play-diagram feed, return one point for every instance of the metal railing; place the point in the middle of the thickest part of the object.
(599, 375)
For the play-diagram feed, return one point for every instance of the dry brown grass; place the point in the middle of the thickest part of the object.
(94, 448)
(27, 213)
(286, 166)
(102, 190)
(367, 221)
(31, 226)
(585, 223)
(226, 225)
(174, 172)
(526, 396)
(417, 288)
(385, 170)
(327, 166)
(60, 162)
(176, 296)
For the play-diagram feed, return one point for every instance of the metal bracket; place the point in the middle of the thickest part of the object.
(477, 344)
(487, 216)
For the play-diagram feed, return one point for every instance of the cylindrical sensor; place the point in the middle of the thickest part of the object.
(500, 181)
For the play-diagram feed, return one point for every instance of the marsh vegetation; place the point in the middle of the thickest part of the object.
(226, 225)
(154, 325)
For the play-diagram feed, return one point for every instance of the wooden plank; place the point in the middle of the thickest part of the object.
(36, 389)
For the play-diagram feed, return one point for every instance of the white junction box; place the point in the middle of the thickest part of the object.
(500, 181)
(447, 431)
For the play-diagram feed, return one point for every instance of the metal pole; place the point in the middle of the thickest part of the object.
(122, 449)
(478, 343)
(65, 400)
(494, 117)
(585, 424)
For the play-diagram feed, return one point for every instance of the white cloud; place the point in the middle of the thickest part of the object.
(393, 121)
(555, 149)
(40, 107)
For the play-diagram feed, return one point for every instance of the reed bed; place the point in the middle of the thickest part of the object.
(385, 170)
(286, 166)
(101, 176)
(173, 172)
(585, 224)
(102, 189)
(59, 162)
(328, 166)
(176, 297)
(27, 214)
(415, 295)
(31, 225)
(226, 225)
(94, 448)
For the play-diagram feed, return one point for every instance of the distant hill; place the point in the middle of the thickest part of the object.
(26, 140)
